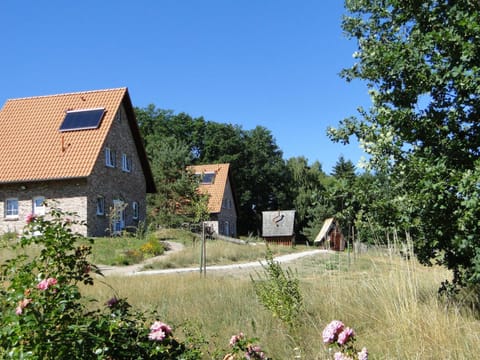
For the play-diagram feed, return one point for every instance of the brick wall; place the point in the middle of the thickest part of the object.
(113, 183)
(69, 196)
(228, 214)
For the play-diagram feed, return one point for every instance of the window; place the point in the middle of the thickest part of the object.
(11, 208)
(109, 157)
(126, 163)
(100, 205)
(208, 178)
(38, 205)
(135, 210)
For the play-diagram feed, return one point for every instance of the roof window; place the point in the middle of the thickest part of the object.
(82, 119)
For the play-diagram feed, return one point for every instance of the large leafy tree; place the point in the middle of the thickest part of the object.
(307, 188)
(421, 62)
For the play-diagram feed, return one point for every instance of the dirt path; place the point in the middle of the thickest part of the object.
(175, 247)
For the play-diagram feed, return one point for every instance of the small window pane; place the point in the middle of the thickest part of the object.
(208, 178)
(100, 205)
(109, 157)
(135, 210)
(126, 163)
(38, 205)
(11, 208)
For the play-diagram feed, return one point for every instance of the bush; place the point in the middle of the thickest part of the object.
(153, 247)
(279, 291)
(44, 315)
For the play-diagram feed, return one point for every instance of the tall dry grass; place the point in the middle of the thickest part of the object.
(391, 302)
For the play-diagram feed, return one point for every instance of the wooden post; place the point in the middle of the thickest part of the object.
(203, 253)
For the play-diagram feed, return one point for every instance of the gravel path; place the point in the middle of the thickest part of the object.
(175, 247)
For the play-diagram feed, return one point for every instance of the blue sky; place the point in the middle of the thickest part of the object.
(273, 63)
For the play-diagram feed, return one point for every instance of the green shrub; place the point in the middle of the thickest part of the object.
(279, 291)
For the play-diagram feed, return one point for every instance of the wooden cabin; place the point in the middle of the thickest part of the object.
(330, 236)
(278, 227)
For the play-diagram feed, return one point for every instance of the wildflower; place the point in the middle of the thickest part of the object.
(236, 338)
(363, 355)
(345, 335)
(46, 283)
(331, 331)
(22, 304)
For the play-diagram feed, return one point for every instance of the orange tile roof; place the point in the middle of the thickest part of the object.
(31, 146)
(217, 189)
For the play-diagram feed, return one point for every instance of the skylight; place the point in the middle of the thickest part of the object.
(82, 119)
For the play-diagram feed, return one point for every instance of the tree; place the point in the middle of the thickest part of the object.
(306, 188)
(421, 62)
(177, 199)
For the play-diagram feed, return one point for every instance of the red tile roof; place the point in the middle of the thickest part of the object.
(32, 148)
(215, 190)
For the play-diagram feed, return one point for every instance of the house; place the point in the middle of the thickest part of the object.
(278, 227)
(215, 181)
(330, 236)
(81, 152)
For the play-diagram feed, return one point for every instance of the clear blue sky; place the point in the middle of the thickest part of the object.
(273, 63)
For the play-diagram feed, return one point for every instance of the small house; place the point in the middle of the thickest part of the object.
(330, 236)
(215, 181)
(81, 152)
(278, 227)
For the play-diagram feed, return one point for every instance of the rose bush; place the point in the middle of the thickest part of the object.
(44, 315)
(337, 335)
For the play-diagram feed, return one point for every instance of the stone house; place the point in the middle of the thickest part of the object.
(81, 152)
(215, 180)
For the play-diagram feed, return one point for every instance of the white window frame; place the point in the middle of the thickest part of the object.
(109, 157)
(100, 205)
(8, 208)
(135, 210)
(38, 209)
(126, 163)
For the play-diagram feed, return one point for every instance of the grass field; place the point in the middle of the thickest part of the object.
(391, 302)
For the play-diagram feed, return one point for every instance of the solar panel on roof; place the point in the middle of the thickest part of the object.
(82, 119)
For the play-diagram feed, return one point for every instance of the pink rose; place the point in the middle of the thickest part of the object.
(331, 331)
(157, 335)
(30, 218)
(345, 335)
(159, 331)
(363, 355)
(46, 283)
(22, 304)
(160, 326)
(236, 338)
